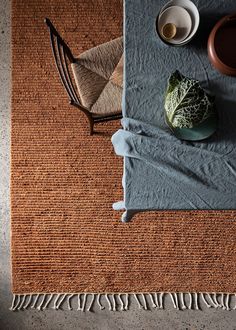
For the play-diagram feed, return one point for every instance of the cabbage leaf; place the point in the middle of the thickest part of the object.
(186, 103)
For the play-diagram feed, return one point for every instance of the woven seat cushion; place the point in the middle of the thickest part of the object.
(98, 74)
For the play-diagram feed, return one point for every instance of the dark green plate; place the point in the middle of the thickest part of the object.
(197, 133)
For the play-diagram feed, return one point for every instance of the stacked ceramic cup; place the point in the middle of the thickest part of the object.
(177, 22)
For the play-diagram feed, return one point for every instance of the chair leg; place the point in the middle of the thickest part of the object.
(91, 123)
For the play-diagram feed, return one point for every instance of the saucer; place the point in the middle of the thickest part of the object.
(180, 18)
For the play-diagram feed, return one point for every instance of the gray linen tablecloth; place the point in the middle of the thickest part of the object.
(160, 171)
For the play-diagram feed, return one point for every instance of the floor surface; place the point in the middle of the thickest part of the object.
(168, 319)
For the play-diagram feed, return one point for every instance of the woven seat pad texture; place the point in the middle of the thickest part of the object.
(65, 235)
(93, 70)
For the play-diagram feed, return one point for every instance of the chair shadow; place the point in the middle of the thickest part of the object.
(99, 133)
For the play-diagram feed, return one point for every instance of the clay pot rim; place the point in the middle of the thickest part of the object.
(223, 67)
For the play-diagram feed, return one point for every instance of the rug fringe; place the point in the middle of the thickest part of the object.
(121, 301)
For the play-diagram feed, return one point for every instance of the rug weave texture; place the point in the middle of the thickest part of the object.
(65, 235)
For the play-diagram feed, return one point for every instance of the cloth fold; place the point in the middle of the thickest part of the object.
(198, 176)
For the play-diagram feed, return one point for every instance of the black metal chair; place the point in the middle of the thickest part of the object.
(64, 59)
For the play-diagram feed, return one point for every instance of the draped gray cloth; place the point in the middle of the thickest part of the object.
(160, 171)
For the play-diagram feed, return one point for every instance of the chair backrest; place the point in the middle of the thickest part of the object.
(63, 58)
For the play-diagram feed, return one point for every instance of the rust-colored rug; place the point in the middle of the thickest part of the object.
(65, 236)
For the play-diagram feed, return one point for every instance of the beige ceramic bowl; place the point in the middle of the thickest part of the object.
(194, 14)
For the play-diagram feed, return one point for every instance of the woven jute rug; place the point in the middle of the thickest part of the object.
(66, 239)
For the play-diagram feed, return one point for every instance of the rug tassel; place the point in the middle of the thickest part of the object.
(56, 300)
(196, 300)
(227, 301)
(211, 300)
(222, 301)
(218, 302)
(99, 302)
(26, 305)
(69, 301)
(217, 299)
(136, 298)
(84, 302)
(109, 303)
(79, 302)
(152, 300)
(126, 301)
(91, 302)
(156, 300)
(173, 299)
(204, 300)
(144, 301)
(235, 301)
(114, 302)
(190, 300)
(17, 303)
(183, 306)
(41, 303)
(35, 301)
(176, 300)
(22, 302)
(214, 298)
(161, 300)
(60, 301)
(48, 301)
(13, 302)
(121, 302)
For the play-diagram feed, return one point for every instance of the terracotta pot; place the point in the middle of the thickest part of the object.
(222, 46)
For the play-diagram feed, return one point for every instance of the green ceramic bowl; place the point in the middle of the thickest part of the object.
(196, 133)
